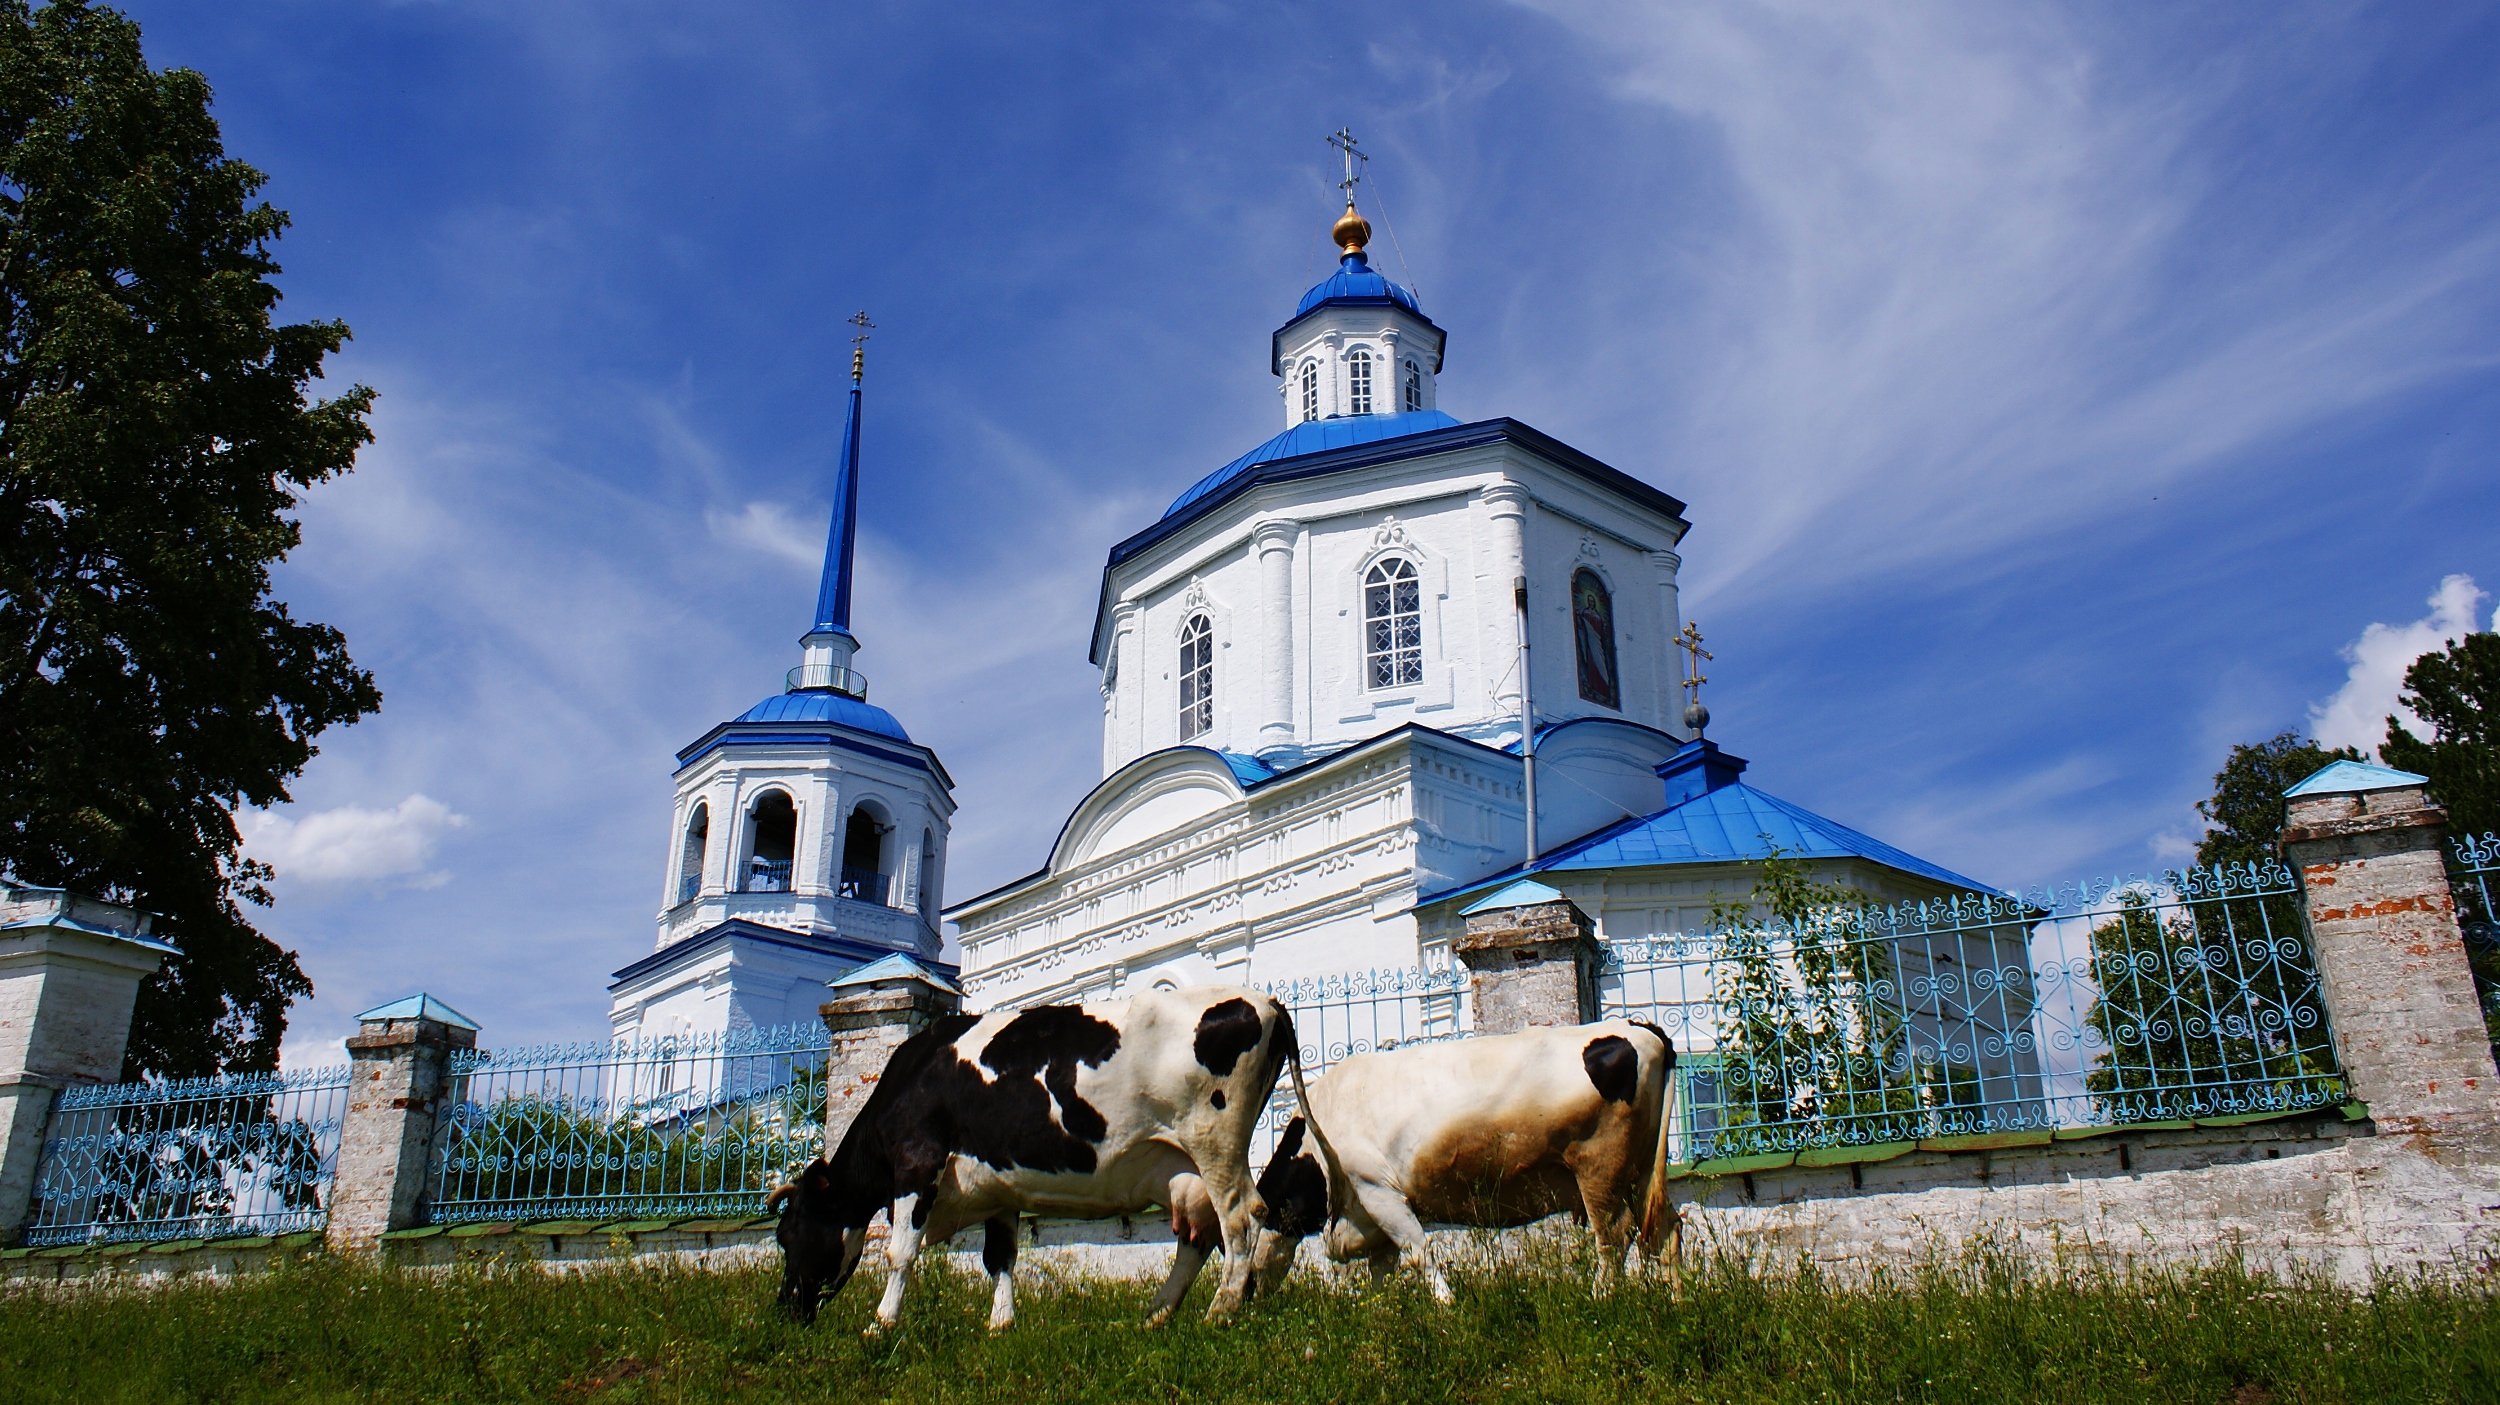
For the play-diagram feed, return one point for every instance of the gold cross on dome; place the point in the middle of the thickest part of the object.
(1690, 642)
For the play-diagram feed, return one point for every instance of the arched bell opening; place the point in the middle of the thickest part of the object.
(772, 842)
(690, 851)
(867, 855)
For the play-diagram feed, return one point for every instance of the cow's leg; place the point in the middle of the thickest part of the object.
(1195, 1227)
(1396, 1219)
(1606, 1187)
(902, 1247)
(998, 1255)
(1236, 1204)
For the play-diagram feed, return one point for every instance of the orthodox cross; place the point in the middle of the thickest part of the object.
(1696, 716)
(1343, 140)
(859, 343)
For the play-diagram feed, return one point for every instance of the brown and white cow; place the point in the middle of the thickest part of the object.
(1074, 1110)
(1493, 1131)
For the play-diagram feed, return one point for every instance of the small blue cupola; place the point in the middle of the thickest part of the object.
(1357, 344)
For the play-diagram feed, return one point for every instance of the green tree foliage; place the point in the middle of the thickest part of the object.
(2457, 692)
(156, 429)
(2244, 816)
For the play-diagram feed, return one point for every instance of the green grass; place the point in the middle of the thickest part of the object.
(324, 1329)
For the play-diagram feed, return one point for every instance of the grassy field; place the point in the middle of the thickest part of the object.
(327, 1330)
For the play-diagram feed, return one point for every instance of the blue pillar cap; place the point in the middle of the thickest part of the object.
(418, 1007)
(2351, 777)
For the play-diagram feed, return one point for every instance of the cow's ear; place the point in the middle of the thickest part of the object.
(818, 1176)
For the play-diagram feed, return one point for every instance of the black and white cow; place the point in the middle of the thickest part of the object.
(1074, 1110)
(1493, 1131)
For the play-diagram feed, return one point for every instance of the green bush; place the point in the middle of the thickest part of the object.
(330, 1330)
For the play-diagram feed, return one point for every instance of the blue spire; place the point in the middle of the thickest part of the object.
(833, 597)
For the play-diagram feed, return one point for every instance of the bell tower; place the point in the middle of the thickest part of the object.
(808, 835)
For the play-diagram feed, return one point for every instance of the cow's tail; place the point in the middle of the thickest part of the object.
(1310, 1114)
(1662, 1225)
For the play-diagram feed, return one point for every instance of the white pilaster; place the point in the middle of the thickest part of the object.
(1671, 622)
(1274, 542)
(1507, 505)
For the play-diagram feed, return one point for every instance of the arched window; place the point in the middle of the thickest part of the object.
(772, 842)
(1393, 625)
(1414, 386)
(1593, 638)
(1310, 390)
(864, 875)
(690, 854)
(1197, 677)
(1358, 382)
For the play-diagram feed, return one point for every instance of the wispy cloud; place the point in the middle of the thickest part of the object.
(1985, 274)
(2357, 714)
(772, 529)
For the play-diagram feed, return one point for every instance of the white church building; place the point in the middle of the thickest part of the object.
(1315, 669)
(807, 838)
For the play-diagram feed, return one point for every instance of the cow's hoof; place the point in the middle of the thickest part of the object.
(876, 1329)
(1160, 1317)
(1000, 1324)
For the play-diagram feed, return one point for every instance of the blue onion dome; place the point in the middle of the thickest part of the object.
(822, 706)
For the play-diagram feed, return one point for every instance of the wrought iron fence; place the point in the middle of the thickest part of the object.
(207, 1158)
(635, 1129)
(2188, 995)
(2474, 879)
(1356, 1012)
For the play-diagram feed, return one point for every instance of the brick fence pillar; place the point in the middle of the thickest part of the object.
(1531, 954)
(872, 1011)
(399, 1080)
(70, 969)
(2391, 962)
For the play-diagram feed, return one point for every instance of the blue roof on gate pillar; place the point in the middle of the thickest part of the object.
(896, 967)
(2346, 777)
(1527, 892)
(418, 1007)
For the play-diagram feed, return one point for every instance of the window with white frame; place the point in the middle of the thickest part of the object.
(1197, 677)
(1310, 390)
(1393, 624)
(1358, 382)
(1414, 386)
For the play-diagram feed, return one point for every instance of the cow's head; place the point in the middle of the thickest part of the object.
(1295, 1189)
(820, 1242)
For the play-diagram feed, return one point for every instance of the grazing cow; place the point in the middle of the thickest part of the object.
(1076, 1110)
(1493, 1131)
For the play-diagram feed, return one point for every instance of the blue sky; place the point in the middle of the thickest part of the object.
(2062, 394)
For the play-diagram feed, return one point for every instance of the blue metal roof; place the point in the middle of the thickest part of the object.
(1314, 437)
(820, 705)
(1732, 824)
(1354, 282)
(1249, 770)
(2346, 777)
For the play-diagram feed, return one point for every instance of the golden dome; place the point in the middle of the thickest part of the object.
(1351, 231)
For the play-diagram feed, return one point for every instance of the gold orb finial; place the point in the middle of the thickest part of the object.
(1352, 231)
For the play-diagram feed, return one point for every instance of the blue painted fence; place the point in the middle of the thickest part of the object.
(206, 1158)
(2187, 995)
(639, 1129)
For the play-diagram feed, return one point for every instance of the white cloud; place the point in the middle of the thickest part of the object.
(772, 529)
(2357, 714)
(353, 844)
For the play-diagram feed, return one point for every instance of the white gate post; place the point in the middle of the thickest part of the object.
(70, 969)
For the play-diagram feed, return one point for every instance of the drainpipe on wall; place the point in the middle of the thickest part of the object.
(1527, 712)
